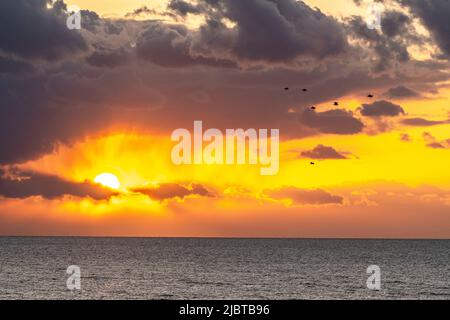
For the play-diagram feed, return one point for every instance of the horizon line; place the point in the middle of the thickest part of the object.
(219, 237)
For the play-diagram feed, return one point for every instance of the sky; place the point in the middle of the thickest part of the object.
(364, 151)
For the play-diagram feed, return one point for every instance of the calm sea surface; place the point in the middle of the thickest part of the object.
(182, 268)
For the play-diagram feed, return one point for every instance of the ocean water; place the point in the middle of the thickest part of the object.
(192, 268)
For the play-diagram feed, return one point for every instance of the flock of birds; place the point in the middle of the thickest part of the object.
(336, 103)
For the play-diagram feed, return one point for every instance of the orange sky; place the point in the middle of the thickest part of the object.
(385, 187)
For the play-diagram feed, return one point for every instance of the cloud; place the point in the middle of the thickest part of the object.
(336, 121)
(433, 143)
(387, 47)
(169, 46)
(22, 184)
(322, 152)
(109, 58)
(8, 65)
(44, 104)
(282, 30)
(304, 196)
(421, 122)
(166, 191)
(401, 92)
(394, 23)
(405, 137)
(183, 8)
(29, 30)
(276, 31)
(144, 10)
(434, 16)
(381, 108)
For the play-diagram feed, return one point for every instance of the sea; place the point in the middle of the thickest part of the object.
(219, 268)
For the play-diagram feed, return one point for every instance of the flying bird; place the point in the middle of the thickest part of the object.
(286, 88)
(336, 103)
(311, 163)
(304, 89)
(313, 108)
(370, 95)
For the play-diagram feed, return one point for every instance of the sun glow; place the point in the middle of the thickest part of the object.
(108, 180)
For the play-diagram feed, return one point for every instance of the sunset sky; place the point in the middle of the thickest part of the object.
(76, 104)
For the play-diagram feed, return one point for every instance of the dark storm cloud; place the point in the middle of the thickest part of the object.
(109, 58)
(282, 30)
(421, 122)
(304, 196)
(336, 121)
(90, 20)
(8, 65)
(264, 31)
(28, 184)
(40, 112)
(28, 29)
(169, 46)
(390, 47)
(183, 8)
(434, 14)
(166, 191)
(401, 92)
(66, 100)
(381, 108)
(322, 152)
(394, 23)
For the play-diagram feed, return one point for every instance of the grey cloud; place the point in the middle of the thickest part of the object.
(144, 10)
(388, 48)
(332, 121)
(401, 92)
(90, 20)
(434, 15)
(381, 108)
(432, 142)
(28, 184)
(109, 58)
(405, 137)
(421, 122)
(323, 152)
(282, 30)
(8, 65)
(166, 191)
(183, 8)
(69, 100)
(169, 46)
(28, 29)
(394, 23)
(304, 196)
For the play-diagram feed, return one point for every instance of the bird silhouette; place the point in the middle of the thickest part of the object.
(313, 108)
(312, 163)
(304, 89)
(336, 103)
(370, 95)
(286, 88)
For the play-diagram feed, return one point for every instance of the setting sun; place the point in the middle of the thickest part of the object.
(108, 180)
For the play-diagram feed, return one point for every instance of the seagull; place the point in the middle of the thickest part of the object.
(286, 88)
(313, 108)
(304, 89)
(370, 95)
(336, 103)
(312, 163)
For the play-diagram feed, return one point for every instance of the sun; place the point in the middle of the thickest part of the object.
(108, 180)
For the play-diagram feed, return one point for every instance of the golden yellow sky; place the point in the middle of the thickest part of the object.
(121, 7)
(385, 187)
(386, 183)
